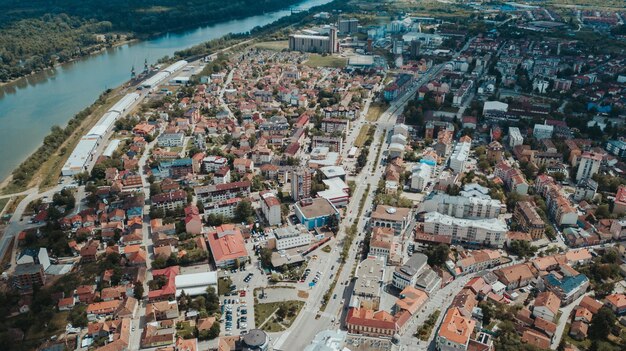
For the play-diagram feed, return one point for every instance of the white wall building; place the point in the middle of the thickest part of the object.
(459, 156)
(542, 131)
(589, 165)
(421, 175)
(270, 206)
(293, 236)
(515, 137)
(461, 207)
(490, 231)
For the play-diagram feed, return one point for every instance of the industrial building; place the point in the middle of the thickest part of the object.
(315, 42)
(156, 79)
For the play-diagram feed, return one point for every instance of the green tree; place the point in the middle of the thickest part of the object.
(244, 212)
(601, 324)
(138, 291)
(438, 254)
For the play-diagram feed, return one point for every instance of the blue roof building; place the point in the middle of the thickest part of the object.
(568, 288)
(314, 213)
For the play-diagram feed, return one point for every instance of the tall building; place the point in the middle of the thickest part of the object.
(348, 26)
(300, 184)
(515, 137)
(491, 231)
(528, 218)
(317, 43)
(589, 165)
(415, 48)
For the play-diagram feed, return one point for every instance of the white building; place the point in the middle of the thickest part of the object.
(459, 156)
(543, 131)
(290, 237)
(421, 175)
(194, 284)
(490, 231)
(461, 207)
(515, 137)
(171, 140)
(589, 165)
(270, 206)
(406, 275)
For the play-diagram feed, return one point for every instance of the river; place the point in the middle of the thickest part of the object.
(30, 106)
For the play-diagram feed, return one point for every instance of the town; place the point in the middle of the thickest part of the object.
(378, 179)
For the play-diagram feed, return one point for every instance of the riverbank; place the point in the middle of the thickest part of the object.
(55, 149)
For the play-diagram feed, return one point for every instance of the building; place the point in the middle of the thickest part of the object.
(461, 206)
(169, 201)
(255, 340)
(224, 208)
(494, 151)
(515, 137)
(406, 275)
(28, 276)
(348, 26)
(300, 183)
(459, 156)
(619, 204)
(227, 246)
(589, 165)
(491, 231)
(370, 279)
(328, 340)
(383, 244)
(475, 261)
(369, 322)
(528, 218)
(315, 43)
(455, 331)
(546, 306)
(209, 194)
(516, 276)
(617, 303)
(331, 125)
(391, 217)
(567, 287)
(543, 131)
(270, 206)
(586, 189)
(171, 140)
(315, 213)
(194, 284)
(616, 147)
(289, 237)
(421, 176)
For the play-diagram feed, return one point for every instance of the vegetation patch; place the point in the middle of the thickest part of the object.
(277, 45)
(316, 60)
(360, 139)
(276, 316)
(424, 331)
(326, 248)
(375, 110)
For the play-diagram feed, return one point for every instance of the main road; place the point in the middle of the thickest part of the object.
(306, 326)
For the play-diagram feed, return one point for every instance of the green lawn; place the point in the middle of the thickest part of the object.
(375, 110)
(223, 285)
(277, 45)
(360, 139)
(4, 202)
(262, 311)
(185, 330)
(316, 60)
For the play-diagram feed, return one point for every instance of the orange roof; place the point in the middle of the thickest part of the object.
(413, 299)
(227, 243)
(583, 313)
(103, 307)
(455, 327)
(369, 318)
(617, 300)
(549, 300)
(536, 339)
(591, 304)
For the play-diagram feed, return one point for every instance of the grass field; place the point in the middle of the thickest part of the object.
(263, 311)
(316, 60)
(375, 110)
(272, 45)
(360, 139)
(3, 203)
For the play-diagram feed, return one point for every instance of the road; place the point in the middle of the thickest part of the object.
(305, 324)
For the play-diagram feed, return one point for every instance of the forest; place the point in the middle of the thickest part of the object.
(40, 33)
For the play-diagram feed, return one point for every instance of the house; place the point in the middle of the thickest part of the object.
(193, 221)
(103, 309)
(546, 306)
(536, 339)
(455, 331)
(66, 304)
(617, 303)
(371, 323)
(516, 276)
(89, 252)
(243, 165)
(591, 304)
(568, 287)
(578, 330)
(167, 291)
